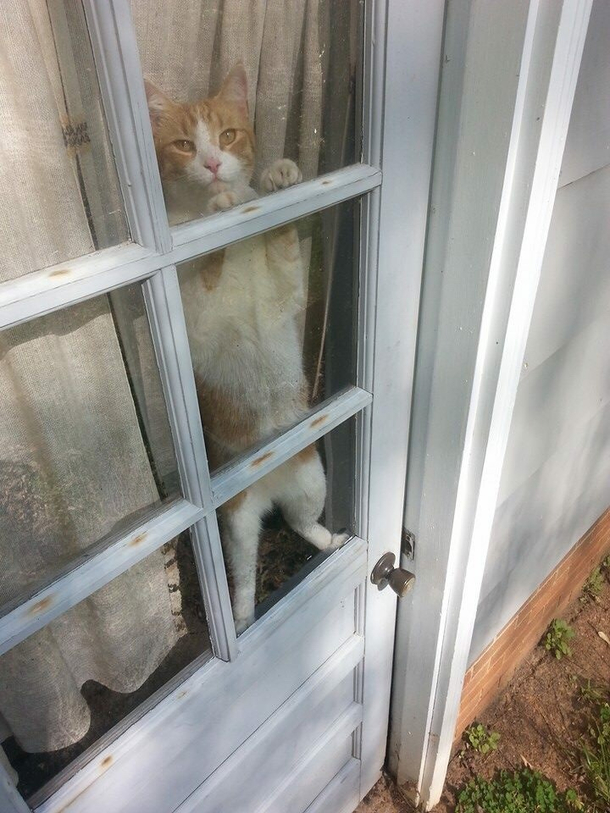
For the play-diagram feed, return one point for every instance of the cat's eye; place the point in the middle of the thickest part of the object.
(227, 137)
(184, 145)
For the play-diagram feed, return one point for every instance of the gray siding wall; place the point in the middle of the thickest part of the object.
(556, 475)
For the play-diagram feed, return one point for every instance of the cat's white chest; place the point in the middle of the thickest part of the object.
(242, 330)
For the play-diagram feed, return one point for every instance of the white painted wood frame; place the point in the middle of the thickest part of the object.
(93, 570)
(399, 105)
(509, 75)
(403, 87)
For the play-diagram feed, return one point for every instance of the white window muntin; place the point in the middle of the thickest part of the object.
(151, 258)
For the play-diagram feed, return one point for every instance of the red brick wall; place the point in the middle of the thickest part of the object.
(493, 669)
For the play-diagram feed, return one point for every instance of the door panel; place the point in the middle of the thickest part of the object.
(342, 793)
(314, 630)
(280, 746)
(284, 697)
(324, 762)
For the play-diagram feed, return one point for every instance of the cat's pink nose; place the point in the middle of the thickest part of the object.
(212, 164)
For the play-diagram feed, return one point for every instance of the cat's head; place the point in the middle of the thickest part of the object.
(207, 142)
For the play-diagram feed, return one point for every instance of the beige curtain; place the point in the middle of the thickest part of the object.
(299, 56)
(73, 462)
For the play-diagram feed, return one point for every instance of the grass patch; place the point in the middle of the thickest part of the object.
(523, 791)
(554, 720)
(594, 585)
(595, 757)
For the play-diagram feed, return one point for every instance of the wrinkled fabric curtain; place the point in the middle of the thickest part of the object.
(299, 56)
(73, 462)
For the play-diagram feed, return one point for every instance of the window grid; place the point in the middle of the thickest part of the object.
(151, 260)
(67, 283)
(90, 572)
(168, 328)
(110, 269)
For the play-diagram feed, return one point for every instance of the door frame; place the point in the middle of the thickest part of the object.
(400, 85)
(401, 126)
(509, 76)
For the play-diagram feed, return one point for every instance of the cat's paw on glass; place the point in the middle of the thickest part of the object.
(228, 199)
(280, 175)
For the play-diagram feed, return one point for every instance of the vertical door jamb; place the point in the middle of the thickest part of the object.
(495, 179)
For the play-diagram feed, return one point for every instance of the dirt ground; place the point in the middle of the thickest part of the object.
(383, 798)
(541, 715)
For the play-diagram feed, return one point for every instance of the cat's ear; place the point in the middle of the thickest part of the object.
(159, 103)
(235, 87)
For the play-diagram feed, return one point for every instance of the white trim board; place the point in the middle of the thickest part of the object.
(495, 179)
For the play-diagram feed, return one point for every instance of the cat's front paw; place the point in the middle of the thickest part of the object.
(280, 175)
(230, 198)
(222, 202)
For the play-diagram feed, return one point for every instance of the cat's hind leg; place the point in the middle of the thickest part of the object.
(301, 495)
(242, 518)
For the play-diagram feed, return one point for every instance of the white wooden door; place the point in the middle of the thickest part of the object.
(124, 682)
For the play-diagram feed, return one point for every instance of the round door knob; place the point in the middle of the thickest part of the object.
(384, 573)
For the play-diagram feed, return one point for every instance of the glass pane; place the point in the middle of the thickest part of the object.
(85, 445)
(61, 197)
(278, 530)
(271, 324)
(246, 98)
(71, 682)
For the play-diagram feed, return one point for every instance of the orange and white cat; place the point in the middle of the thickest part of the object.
(241, 306)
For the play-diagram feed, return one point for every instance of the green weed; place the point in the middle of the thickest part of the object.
(557, 637)
(595, 757)
(593, 586)
(523, 791)
(480, 739)
(591, 693)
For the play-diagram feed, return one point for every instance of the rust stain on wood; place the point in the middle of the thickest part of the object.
(61, 272)
(261, 459)
(137, 539)
(326, 183)
(41, 605)
(182, 694)
(318, 421)
(249, 209)
(103, 766)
